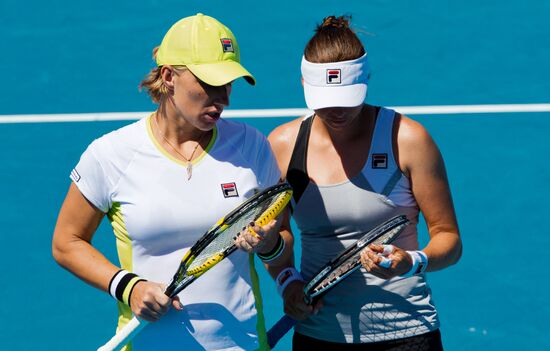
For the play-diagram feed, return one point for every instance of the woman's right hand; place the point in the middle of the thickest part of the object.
(294, 302)
(149, 302)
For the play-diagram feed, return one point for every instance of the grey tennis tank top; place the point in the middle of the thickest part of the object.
(362, 308)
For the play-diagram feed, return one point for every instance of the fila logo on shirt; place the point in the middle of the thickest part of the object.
(379, 161)
(75, 175)
(227, 45)
(230, 190)
(334, 76)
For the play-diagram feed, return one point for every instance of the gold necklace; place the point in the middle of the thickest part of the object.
(188, 160)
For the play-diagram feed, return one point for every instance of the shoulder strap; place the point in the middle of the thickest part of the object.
(296, 174)
(383, 142)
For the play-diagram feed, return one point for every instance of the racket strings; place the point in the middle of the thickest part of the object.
(345, 268)
(352, 262)
(263, 211)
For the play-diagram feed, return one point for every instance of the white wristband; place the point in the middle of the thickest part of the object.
(285, 277)
(419, 263)
(115, 280)
(122, 284)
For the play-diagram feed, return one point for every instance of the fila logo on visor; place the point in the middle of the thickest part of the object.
(230, 190)
(334, 76)
(379, 161)
(227, 45)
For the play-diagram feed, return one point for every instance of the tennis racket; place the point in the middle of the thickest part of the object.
(216, 244)
(347, 262)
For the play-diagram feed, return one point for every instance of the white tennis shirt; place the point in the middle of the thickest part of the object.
(157, 214)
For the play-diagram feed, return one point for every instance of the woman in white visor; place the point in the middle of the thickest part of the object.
(353, 166)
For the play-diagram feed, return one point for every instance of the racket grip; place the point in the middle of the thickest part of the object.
(279, 330)
(125, 335)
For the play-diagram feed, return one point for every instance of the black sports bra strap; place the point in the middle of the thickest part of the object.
(296, 174)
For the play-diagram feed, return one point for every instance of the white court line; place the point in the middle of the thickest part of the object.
(283, 112)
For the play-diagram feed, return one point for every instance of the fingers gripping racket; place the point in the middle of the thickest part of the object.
(338, 269)
(216, 244)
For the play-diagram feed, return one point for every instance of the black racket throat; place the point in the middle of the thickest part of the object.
(174, 289)
(348, 260)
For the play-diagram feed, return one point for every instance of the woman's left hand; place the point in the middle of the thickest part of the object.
(259, 239)
(385, 261)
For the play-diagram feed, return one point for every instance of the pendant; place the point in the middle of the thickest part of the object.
(189, 170)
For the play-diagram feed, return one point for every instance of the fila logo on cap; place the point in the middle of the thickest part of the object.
(227, 45)
(230, 190)
(334, 76)
(379, 161)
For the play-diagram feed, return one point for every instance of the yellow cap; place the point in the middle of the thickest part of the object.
(206, 47)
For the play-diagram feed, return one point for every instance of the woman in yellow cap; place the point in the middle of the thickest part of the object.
(353, 166)
(162, 182)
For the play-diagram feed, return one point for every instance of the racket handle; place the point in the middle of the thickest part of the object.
(279, 330)
(125, 335)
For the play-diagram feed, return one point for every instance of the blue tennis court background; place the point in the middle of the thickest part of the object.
(77, 56)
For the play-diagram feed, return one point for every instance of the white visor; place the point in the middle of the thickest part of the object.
(335, 84)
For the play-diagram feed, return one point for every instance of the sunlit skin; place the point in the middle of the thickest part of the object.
(194, 107)
(336, 132)
(340, 128)
(186, 116)
(189, 110)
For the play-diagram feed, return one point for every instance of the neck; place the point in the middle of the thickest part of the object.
(186, 147)
(176, 129)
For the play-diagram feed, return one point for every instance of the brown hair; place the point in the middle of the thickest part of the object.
(153, 82)
(334, 41)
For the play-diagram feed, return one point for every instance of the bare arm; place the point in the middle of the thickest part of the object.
(271, 232)
(282, 141)
(264, 241)
(287, 257)
(71, 246)
(421, 159)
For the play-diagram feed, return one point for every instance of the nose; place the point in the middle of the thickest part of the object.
(222, 94)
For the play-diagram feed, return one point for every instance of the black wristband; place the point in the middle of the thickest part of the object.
(122, 284)
(275, 252)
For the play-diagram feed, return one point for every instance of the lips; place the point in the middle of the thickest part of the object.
(215, 115)
(337, 120)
